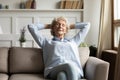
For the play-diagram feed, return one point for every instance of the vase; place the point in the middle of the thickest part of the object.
(22, 5)
(0, 6)
(23, 44)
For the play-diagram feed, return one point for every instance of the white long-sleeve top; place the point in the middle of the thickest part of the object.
(56, 52)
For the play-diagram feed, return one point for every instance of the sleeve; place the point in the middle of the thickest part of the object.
(80, 36)
(34, 30)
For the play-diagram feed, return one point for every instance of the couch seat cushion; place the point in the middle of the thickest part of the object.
(26, 60)
(4, 59)
(27, 77)
(3, 76)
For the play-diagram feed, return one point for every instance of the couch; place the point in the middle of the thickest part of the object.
(18, 63)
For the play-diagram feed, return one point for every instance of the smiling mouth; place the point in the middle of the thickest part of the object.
(60, 29)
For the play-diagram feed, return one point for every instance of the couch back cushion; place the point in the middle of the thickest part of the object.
(26, 60)
(4, 59)
(84, 55)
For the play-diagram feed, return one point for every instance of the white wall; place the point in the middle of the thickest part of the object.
(91, 14)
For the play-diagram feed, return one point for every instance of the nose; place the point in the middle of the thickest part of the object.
(60, 25)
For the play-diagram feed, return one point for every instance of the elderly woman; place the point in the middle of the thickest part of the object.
(61, 57)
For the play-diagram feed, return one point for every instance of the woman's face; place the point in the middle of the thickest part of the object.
(60, 28)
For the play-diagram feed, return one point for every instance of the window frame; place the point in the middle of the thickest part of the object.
(115, 24)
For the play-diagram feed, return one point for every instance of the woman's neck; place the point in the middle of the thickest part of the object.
(60, 36)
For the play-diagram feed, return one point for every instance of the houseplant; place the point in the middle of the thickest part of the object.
(22, 38)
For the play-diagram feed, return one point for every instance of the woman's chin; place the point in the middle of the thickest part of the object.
(60, 33)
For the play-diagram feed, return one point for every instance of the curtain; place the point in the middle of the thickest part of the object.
(104, 39)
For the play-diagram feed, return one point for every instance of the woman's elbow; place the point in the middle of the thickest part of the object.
(88, 25)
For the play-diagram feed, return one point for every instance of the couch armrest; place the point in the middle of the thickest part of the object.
(96, 69)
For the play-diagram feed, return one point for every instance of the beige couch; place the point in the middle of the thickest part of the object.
(27, 64)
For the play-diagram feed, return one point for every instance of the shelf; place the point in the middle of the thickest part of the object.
(37, 10)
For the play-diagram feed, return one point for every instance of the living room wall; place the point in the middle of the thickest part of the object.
(91, 14)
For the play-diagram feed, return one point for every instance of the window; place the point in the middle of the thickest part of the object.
(116, 23)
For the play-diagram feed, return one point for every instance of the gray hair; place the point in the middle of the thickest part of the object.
(54, 21)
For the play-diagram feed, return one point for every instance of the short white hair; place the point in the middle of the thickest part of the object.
(62, 18)
(57, 19)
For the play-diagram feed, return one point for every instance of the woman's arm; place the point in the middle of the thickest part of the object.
(80, 36)
(34, 30)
